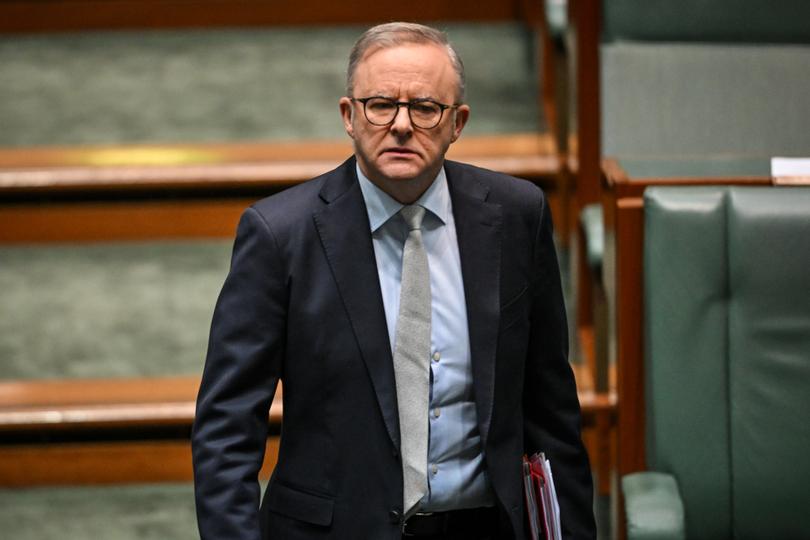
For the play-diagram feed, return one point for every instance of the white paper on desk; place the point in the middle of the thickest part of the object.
(790, 167)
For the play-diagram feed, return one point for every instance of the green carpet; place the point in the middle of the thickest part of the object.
(226, 85)
(108, 310)
(135, 512)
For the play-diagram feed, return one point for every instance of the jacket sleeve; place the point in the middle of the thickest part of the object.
(551, 406)
(242, 369)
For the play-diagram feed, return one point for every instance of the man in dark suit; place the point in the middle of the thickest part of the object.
(331, 292)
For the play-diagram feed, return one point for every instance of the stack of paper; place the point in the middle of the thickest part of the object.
(542, 506)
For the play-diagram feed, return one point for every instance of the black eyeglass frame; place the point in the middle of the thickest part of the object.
(442, 107)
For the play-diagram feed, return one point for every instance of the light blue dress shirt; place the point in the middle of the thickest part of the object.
(457, 477)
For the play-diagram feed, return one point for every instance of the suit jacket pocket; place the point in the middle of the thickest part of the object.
(308, 507)
(514, 310)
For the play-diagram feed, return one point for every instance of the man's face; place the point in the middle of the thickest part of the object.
(400, 158)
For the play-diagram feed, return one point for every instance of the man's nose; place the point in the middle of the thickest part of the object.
(402, 121)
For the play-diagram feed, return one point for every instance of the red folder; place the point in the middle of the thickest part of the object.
(542, 507)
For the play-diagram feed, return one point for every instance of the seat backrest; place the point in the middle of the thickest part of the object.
(698, 77)
(727, 355)
(728, 21)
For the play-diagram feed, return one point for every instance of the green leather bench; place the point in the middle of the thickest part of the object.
(727, 365)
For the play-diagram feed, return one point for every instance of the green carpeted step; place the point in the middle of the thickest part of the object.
(108, 310)
(227, 85)
(133, 512)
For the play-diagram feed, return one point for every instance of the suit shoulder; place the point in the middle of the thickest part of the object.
(294, 204)
(499, 187)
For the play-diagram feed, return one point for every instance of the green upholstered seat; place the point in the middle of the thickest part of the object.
(751, 21)
(705, 100)
(727, 362)
(698, 79)
(128, 309)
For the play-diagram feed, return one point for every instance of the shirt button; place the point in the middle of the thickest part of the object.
(394, 516)
(436, 412)
(437, 356)
(434, 469)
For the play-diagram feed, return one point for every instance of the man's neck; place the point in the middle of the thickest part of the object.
(405, 191)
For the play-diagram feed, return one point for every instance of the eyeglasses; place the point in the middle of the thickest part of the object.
(424, 113)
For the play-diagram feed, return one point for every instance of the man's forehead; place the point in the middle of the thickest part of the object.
(422, 51)
(417, 63)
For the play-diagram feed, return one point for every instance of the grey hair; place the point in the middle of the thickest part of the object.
(394, 34)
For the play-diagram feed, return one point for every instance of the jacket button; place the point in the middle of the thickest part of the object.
(394, 516)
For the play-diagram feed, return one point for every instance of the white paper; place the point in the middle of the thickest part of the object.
(555, 510)
(783, 166)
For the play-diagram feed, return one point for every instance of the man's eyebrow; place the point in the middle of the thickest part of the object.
(418, 98)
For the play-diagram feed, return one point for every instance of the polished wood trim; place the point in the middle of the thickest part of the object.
(120, 220)
(629, 314)
(51, 185)
(616, 179)
(270, 166)
(106, 463)
(594, 404)
(792, 180)
(585, 16)
(72, 15)
(103, 403)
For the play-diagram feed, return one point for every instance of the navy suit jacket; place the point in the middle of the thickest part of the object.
(302, 304)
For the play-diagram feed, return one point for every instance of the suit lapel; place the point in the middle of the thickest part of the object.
(478, 228)
(344, 230)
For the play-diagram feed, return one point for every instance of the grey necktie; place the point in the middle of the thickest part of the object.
(412, 360)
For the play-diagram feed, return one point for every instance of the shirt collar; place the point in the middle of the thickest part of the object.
(381, 206)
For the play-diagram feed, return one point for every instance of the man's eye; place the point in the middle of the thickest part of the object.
(425, 108)
(380, 106)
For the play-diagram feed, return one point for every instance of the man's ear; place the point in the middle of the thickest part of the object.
(347, 114)
(462, 114)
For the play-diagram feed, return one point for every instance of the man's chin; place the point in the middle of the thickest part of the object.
(401, 172)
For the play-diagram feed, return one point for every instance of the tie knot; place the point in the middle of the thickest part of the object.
(413, 215)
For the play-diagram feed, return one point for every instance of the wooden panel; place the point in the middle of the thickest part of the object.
(105, 463)
(50, 15)
(35, 393)
(586, 18)
(513, 144)
(103, 403)
(119, 221)
(265, 166)
(629, 328)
